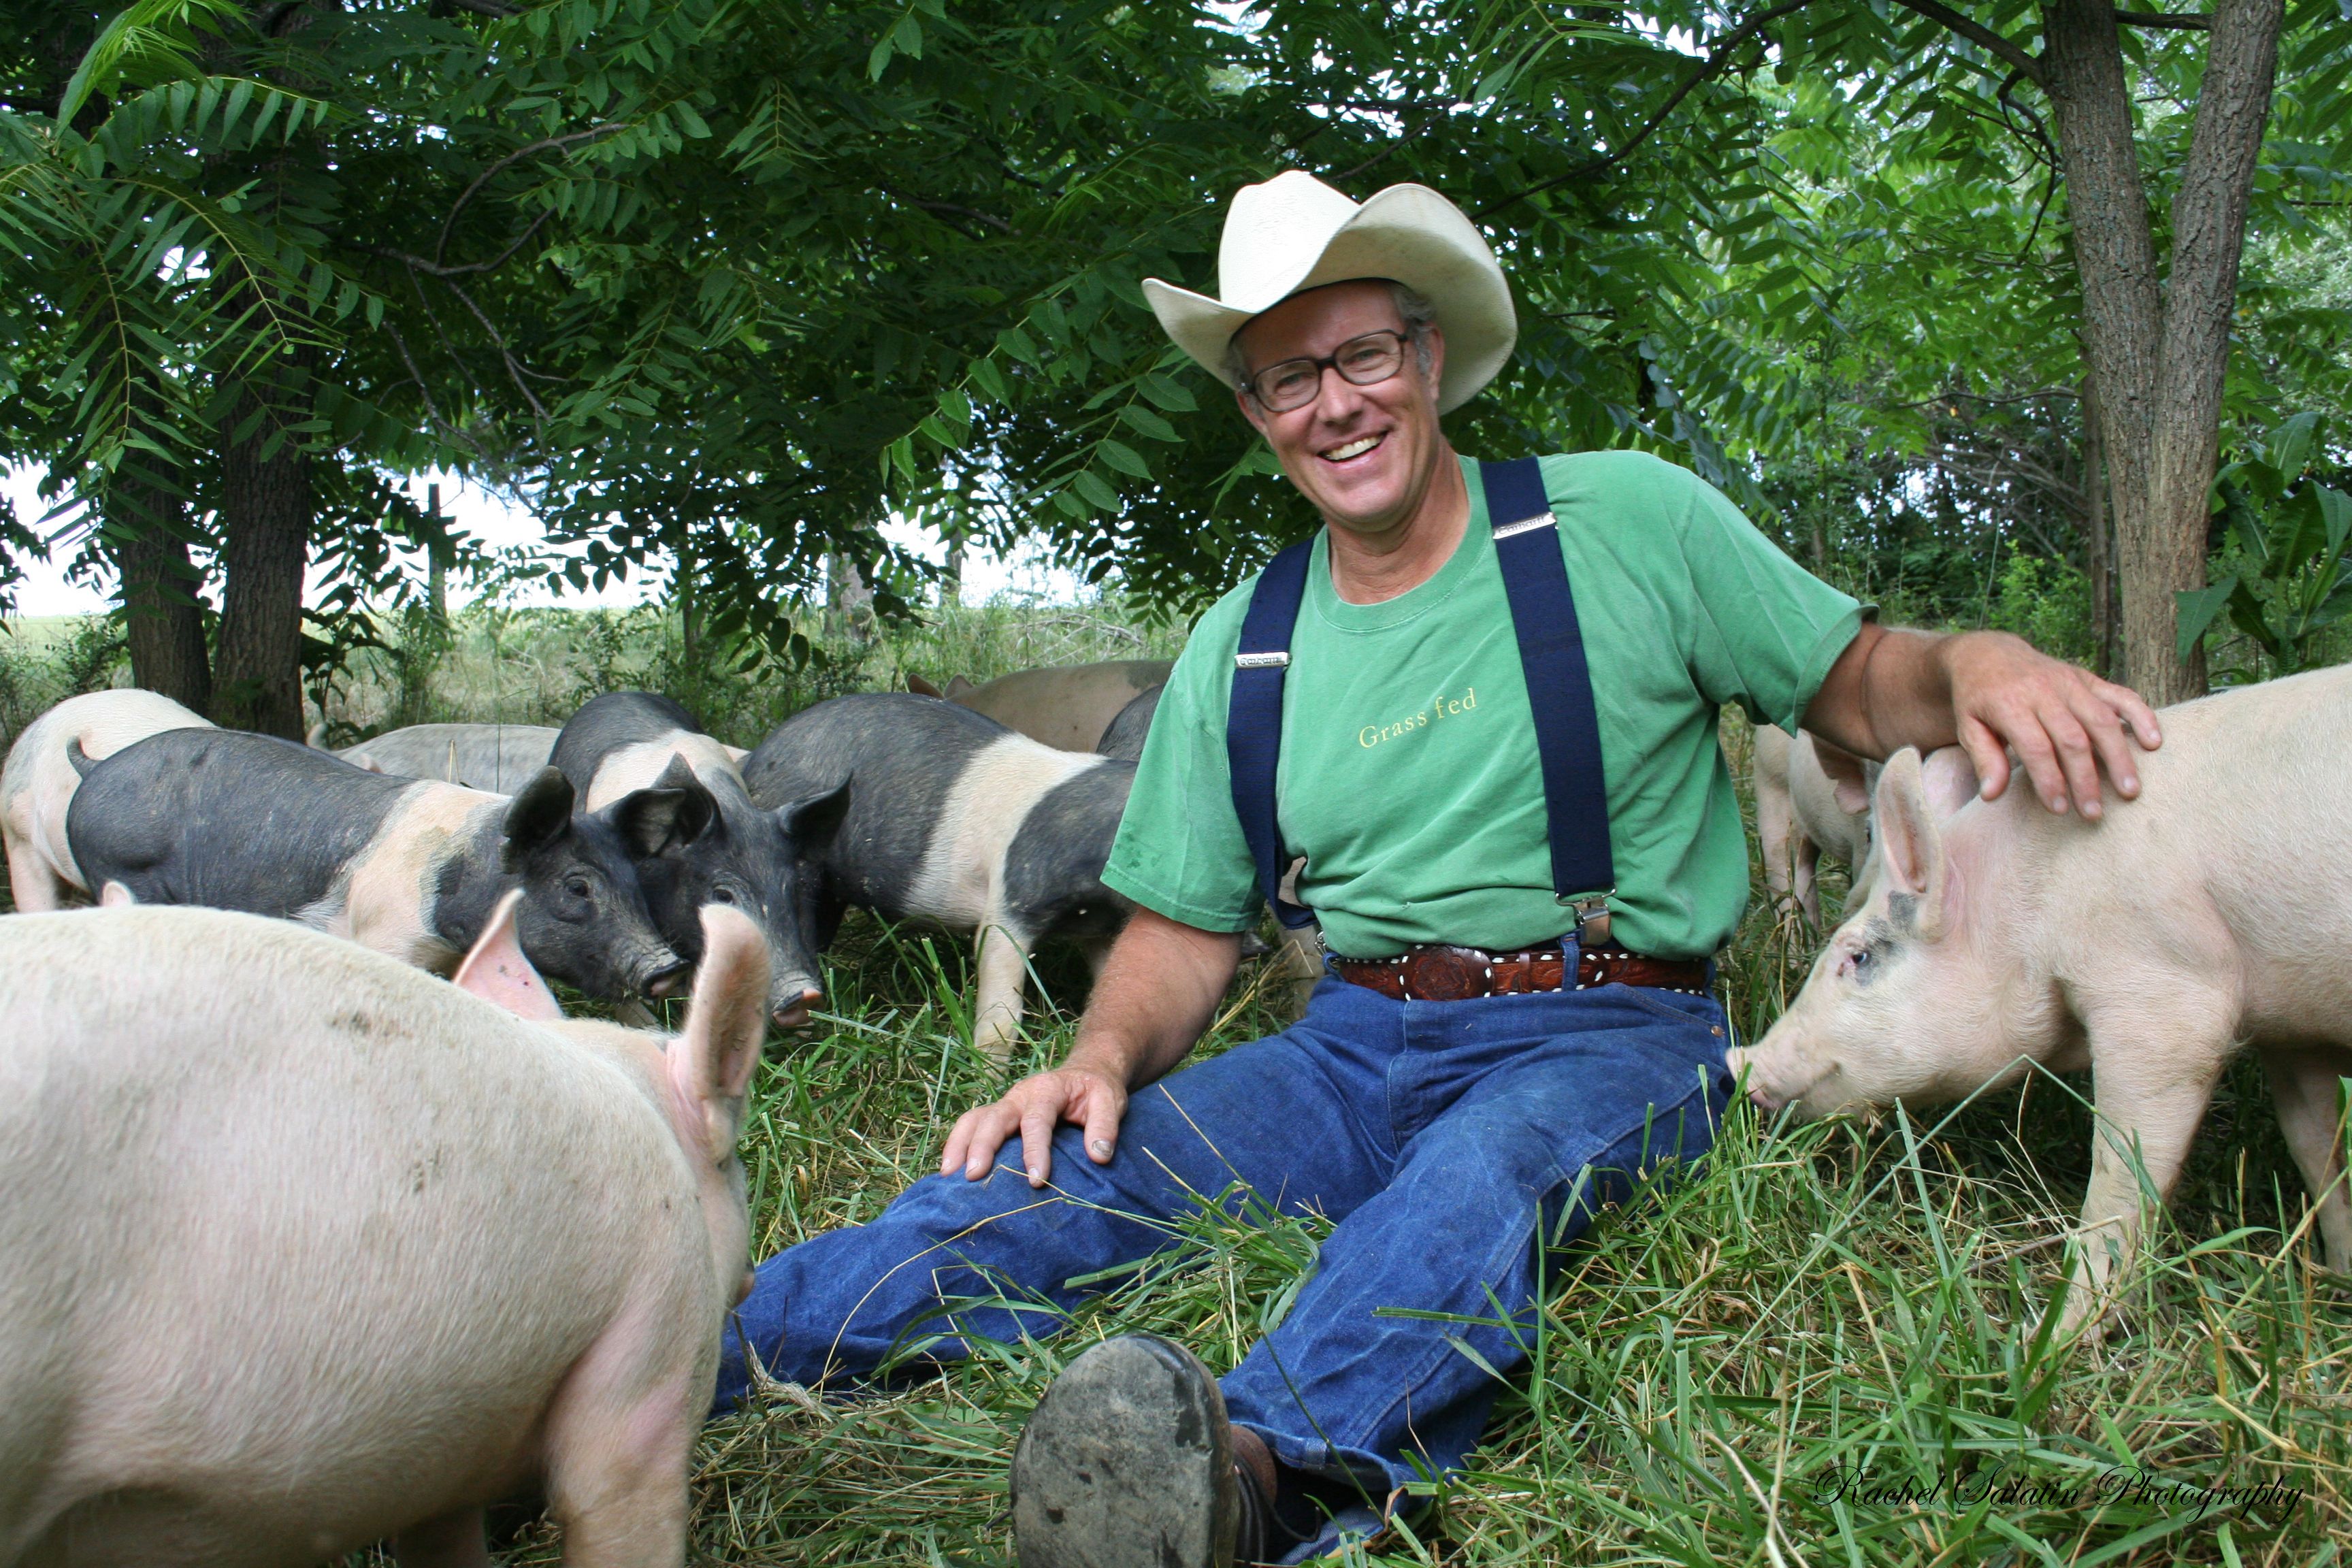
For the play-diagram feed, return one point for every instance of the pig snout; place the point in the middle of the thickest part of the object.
(1781, 1078)
(789, 1002)
(660, 973)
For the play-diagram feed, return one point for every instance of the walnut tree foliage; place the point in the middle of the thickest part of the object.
(717, 285)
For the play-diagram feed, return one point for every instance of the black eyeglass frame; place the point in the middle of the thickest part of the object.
(1405, 338)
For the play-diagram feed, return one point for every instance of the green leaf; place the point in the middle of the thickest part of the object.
(1123, 457)
(909, 35)
(1141, 418)
(2288, 450)
(991, 380)
(1168, 393)
(1095, 488)
(2196, 608)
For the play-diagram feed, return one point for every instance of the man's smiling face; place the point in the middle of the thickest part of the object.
(1364, 454)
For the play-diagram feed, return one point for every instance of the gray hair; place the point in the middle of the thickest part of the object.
(1413, 309)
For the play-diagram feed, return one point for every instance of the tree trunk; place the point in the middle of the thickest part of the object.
(2098, 538)
(2158, 345)
(265, 543)
(849, 603)
(2208, 232)
(147, 528)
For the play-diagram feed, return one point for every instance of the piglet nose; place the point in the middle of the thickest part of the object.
(793, 1014)
(1759, 1099)
(663, 981)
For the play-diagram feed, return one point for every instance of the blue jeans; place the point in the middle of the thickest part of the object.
(1444, 1139)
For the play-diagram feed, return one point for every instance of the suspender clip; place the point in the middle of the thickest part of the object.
(1591, 919)
(1278, 660)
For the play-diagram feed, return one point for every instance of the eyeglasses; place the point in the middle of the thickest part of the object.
(1361, 362)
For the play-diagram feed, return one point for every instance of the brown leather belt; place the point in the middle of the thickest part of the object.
(1458, 973)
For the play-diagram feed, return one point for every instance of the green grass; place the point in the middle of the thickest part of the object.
(1814, 1303)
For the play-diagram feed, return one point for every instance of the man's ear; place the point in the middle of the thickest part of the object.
(726, 1023)
(1910, 847)
(1250, 411)
(498, 972)
(1435, 336)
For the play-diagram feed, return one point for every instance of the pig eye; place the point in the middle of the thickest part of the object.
(723, 896)
(576, 886)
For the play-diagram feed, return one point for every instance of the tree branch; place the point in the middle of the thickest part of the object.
(465, 269)
(1979, 34)
(950, 209)
(1716, 64)
(2175, 20)
(441, 246)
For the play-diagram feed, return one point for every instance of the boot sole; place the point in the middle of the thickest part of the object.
(1127, 1462)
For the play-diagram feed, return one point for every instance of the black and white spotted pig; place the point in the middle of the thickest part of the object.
(948, 818)
(737, 854)
(412, 868)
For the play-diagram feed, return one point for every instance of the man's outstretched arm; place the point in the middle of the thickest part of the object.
(1986, 692)
(1156, 995)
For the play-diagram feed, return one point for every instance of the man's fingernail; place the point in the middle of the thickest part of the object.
(1101, 1147)
(2090, 810)
(2058, 802)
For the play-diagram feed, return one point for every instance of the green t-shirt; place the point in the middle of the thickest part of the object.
(1408, 776)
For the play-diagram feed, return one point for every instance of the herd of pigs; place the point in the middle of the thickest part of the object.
(303, 1245)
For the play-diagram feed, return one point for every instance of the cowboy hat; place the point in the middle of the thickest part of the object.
(1294, 233)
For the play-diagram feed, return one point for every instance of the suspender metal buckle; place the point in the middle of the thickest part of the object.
(1278, 660)
(1592, 918)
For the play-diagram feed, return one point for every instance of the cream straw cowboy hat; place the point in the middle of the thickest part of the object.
(1294, 233)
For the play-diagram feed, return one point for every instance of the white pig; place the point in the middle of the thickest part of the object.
(39, 783)
(302, 1248)
(1810, 796)
(2214, 912)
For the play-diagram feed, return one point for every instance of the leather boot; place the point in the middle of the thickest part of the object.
(1128, 1462)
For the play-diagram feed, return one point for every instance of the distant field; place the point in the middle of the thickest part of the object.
(1818, 1306)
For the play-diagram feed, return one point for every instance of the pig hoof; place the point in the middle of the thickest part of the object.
(1127, 1460)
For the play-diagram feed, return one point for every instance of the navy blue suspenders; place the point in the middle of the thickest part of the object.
(1253, 716)
(1559, 691)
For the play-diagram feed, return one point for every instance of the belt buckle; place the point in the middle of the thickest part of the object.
(1447, 974)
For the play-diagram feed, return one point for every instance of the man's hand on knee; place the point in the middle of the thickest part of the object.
(1082, 1096)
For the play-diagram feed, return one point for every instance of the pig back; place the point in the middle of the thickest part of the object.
(2244, 810)
(300, 1234)
(1065, 706)
(500, 758)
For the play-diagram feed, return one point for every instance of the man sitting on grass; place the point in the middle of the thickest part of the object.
(1481, 703)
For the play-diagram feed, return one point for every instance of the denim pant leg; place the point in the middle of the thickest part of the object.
(1291, 1116)
(1520, 1113)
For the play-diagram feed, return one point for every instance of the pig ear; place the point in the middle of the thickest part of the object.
(115, 896)
(1844, 771)
(675, 810)
(1910, 846)
(813, 816)
(1949, 779)
(726, 1023)
(921, 688)
(497, 971)
(541, 811)
(956, 686)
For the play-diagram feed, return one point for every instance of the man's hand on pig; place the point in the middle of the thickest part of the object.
(1989, 692)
